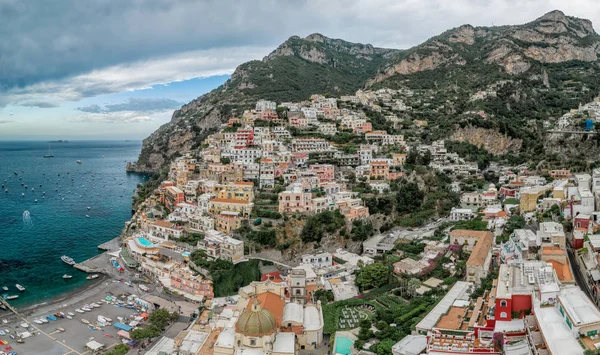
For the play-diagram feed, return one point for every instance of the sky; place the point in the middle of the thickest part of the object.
(98, 69)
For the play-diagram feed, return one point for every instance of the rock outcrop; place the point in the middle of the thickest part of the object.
(492, 140)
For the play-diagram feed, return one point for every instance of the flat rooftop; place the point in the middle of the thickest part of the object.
(578, 306)
(557, 334)
(458, 291)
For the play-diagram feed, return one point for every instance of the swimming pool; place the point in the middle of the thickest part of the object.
(186, 253)
(145, 243)
(343, 345)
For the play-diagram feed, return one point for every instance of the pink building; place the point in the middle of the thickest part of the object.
(296, 199)
(184, 279)
(325, 172)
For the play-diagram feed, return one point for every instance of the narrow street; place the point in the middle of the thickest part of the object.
(577, 273)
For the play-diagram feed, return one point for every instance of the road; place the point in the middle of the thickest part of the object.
(577, 273)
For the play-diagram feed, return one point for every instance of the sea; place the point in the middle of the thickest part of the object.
(57, 206)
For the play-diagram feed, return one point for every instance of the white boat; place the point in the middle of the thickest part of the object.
(24, 325)
(95, 305)
(65, 276)
(71, 314)
(44, 320)
(37, 321)
(19, 287)
(93, 276)
(68, 260)
(78, 310)
(86, 309)
(69, 317)
(12, 297)
(79, 162)
(85, 321)
(4, 321)
(5, 288)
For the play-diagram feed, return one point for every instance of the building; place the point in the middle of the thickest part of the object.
(467, 238)
(529, 198)
(219, 246)
(479, 262)
(461, 214)
(227, 222)
(379, 244)
(379, 170)
(296, 199)
(173, 196)
(196, 285)
(218, 205)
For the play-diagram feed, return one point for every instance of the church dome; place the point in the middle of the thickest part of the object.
(256, 321)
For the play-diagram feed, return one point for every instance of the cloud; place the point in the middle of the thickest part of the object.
(111, 118)
(137, 75)
(135, 104)
(38, 104)
(4, 121)
(73, 49)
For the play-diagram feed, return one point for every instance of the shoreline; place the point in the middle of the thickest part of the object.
(78, 293)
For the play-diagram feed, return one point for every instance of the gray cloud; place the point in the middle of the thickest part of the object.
(111, 117)
(135, 104)
(38, 104)
(73, 49)
(4, 121)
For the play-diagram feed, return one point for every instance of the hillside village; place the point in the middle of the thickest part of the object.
(315, 227)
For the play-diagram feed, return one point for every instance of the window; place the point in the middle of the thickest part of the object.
(252, 342)
(503, 303)
(502, 314)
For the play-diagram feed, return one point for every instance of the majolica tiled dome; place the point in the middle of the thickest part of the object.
(256, 321)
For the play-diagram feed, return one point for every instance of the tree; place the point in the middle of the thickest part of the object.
(145, 333)
(372, 276)
(425, 159)
(413, 285)
(409, 197)
(384, 347)
(120, 349)
(160, 318)
(225, 160)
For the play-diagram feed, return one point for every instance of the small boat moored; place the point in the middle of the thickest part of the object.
(93, 276)
(67, 260)
(19, 287)
(65, 276)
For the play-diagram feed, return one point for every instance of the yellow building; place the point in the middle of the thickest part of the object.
(529, 198)
(238, 191)
(227, 222)
(218, 205)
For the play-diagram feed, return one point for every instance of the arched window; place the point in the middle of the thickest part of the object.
(503, 303)
(502, 314)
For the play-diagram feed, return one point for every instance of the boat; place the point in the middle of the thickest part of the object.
(24, 325)
(44, 320)
(37, 321)
(5, 288)
(65, 276)
(49, 155)
(86, 309)
(4, 321)
(11, 297)
(87, 216)
(60, 329)
(71, 314)
(85, 321)
(79, 162)
(19, 287)
(69, 317)
(78, 310)
(93, 276)
(68, 260)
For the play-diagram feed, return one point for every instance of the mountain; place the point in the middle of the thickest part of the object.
(513, 77)
(298, 68)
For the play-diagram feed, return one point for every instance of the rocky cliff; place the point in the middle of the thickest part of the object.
(539, 70)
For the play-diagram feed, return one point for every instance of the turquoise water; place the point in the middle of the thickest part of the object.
(145, 242)
(58, 222)
(343, 345)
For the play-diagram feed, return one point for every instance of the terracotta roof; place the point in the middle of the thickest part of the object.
(229, 200)
(165, 224)
(272, 303)
(563, 271)
(468, 233)
(248, 183)
(481, 249)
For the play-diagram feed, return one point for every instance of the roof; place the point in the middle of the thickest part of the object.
(557, 334)
(293, 312)
(256, 320)
(226, 338)
(229, 200)
(312, 318)
(578, 306)
(164, 224)
(94, 345)
(285, 342)
(410, 345)
(563, 271)
(273, 303)
(481, 249)
(469, 233)
(456, 292)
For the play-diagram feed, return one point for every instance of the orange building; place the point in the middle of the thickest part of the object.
(172, 196)
(380, 170)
